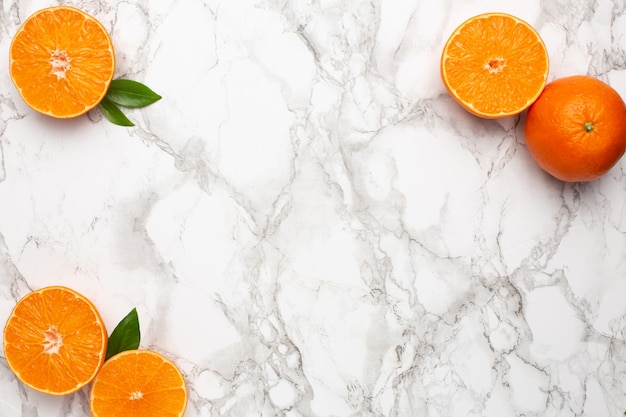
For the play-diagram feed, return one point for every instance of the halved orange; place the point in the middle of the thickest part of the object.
(62, 61)
(55, 340)
(495, 65)
(138, 383)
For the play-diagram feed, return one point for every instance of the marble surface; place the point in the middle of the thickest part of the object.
(309, 225)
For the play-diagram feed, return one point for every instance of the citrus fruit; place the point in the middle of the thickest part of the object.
(62, 61)
(576, 130)
(494, 65)
(138, 383)
(55, 340)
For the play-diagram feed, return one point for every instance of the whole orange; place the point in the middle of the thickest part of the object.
(576, 129)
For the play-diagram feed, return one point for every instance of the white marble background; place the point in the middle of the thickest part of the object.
(310, 226)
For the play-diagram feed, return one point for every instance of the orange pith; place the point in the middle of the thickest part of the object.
(138, 383)
(494, 65)
(55, 340)
(576, 130)
(62, 61)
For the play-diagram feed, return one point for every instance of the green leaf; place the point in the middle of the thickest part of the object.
(125, 336)
(113, 113)
(132, 94)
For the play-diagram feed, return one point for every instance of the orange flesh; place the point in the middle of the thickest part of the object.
(495, 65)
(55, 341)
(62, 61)
(138, 383)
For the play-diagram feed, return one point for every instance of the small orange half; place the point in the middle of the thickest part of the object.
(495, 65)
(138, 383)
(62, 61)
(55, 340)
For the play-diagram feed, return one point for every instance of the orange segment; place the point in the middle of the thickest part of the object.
(138, 383)
(495, 65)
(55, 340)
(62, 61)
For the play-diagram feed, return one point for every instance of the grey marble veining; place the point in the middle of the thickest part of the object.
(309, 225)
